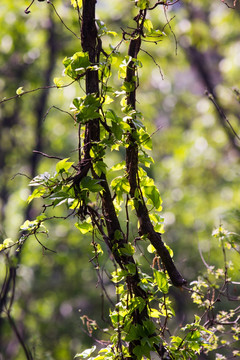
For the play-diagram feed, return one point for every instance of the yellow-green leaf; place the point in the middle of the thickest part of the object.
(20, 91)
(63, 165)
(58, 82)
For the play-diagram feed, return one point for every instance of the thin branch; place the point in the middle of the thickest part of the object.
(79, 144)
(169, 25)
(158, 66)
(57, 108)
(12, 178)
(164, 3)
(43, 246)
(221, 112)
(46, 155)
(98, 273)
(127, 218)
(203, 260)
(37, 89)
(79, 17)
(27, 11)
(55, 10)
(27, 352)
(229, 6)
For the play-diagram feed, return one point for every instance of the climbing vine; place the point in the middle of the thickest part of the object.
(144, 308)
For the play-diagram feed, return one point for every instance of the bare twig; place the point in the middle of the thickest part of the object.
(27, 11)
(46, 155)
(221, 112)
(55, 10)
(229, 6)
(57, 108)
(159, 68)
(12, 178)
(164, 3)
(169, 25)
(43, 246)
(20, 338)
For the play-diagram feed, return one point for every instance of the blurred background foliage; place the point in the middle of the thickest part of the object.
(196, 156)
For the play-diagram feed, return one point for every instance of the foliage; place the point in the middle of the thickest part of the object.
(119, 215)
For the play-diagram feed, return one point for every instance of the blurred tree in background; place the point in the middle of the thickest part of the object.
(189, 96)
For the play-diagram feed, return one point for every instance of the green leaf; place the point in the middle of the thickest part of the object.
(152, 193)
(117, 130)
(137, 303)
(128, 249)
(169, 250)
(148, 25)
(145, 159)
(156, 34)
(119, 275)
(86, 353)
(119, 166)
(7, 242)
(123, 67)
(161, 280)
(141, 350)
(59, 197)
(63, 165)
(131, 268)
(40, 179)
(84, 227)
(90, 184)
(41, 217)
(158, 222)
(107, 100)
(29, 225)
(100, 167)
(128, 86)
(76, 3)
(37, 193)
(146, 141)
(118, 235)
(20, 91)
(58, 82)
(149, 326)
(102, 29)
(86, 108)
(143, 4)
(151, 249)
(155, 313)
(76, 65)
(120, 185)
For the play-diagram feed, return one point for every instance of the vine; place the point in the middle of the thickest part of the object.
(96, 203)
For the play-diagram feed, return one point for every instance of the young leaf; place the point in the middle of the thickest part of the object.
(151, 249)
(29, 225)
(90, 184)
(58, 82)
(161, 280)
(143, 4)
(148, 25)
(86, 353)
(37, 193)
(84, 227)
(20, 91)
(76, 3)
(63, 165)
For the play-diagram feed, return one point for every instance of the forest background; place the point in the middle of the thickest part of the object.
(58, 296)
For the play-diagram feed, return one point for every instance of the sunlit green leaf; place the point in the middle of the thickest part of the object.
(20, 91)
(84, 227)
(63, 165)
(161, 280)
(86, 353)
